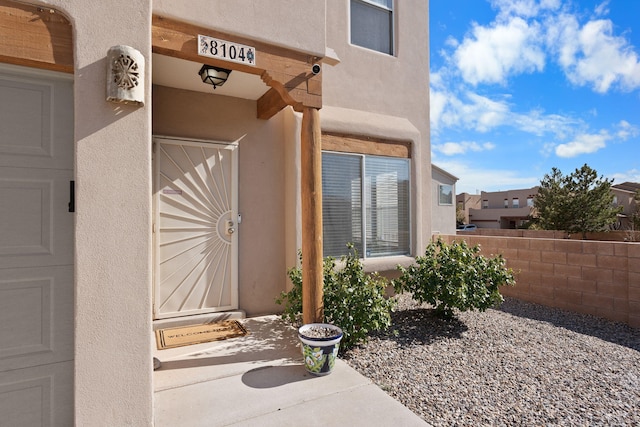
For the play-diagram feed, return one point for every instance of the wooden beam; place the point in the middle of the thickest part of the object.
(311, 194)
(35, 36)
(285, 70)
(270, 104)
(365, 145)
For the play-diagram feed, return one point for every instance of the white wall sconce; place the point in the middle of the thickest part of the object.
(125, 75)
(213, 75)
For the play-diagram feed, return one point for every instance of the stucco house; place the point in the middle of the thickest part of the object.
(134, 192)
(513, 208)
(443, 195)
(499, 209)
(624, 196)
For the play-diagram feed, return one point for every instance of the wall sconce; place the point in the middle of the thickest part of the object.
(213, 75)
(125, 75)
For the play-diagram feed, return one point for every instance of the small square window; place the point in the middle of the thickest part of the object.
(445, 194)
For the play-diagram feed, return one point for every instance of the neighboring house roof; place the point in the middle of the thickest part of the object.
(444, 172)
(628, 186)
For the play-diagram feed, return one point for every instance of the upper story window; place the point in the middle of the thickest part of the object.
(485, 204)
(445, 194)
(530, 201)
(506, 203)
(515, 202)
(372, 24)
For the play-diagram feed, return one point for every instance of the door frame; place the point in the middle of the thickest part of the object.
(233, 147)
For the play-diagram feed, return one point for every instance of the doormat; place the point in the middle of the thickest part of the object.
(196, 334)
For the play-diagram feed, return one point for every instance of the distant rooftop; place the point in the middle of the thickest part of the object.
(628, 186)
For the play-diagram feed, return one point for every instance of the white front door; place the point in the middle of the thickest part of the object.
(36, 248)
(195, 227)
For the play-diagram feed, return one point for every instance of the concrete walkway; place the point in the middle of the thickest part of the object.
(259, 380)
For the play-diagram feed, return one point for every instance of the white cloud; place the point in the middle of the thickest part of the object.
(437, 104)
(592, 56)
(583, 144)
(482, 114)
(472, 179)
(537, 123)
(492, 54)
(475, 112)
(524, 8)
(632, 175)
(486, 113)
(602, 8)
(453, 148)
(626, 130)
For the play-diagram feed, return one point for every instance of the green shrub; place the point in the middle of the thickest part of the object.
(455, 276)
(353, 300)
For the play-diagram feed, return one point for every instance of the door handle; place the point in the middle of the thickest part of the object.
(230, 229)
(72, 196)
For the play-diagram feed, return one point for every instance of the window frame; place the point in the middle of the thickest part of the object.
(392, 29)
(440, 194)
(364, 202)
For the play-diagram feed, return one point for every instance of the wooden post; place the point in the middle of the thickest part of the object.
(311, 189)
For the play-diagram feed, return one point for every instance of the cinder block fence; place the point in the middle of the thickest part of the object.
(584, 276)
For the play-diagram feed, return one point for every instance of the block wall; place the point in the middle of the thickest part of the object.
(591, 277)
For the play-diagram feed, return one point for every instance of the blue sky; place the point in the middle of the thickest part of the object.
(521, 86)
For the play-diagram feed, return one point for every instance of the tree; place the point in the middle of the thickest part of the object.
(577, 203)
(635, 213)
(460, 216)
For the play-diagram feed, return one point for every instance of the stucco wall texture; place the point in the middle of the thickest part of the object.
(113, 166)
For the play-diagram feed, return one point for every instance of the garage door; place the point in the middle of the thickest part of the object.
(36, 248)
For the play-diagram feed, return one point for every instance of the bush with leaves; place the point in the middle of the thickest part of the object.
(353, 300)
(455, 276)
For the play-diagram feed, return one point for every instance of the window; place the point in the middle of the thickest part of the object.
(445, 194)
(485, 204)
(506, 203)
(372, 24)
(515, 202)
(530, 201)
(365, 195)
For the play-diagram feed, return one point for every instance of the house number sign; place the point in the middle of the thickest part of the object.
(229, 51)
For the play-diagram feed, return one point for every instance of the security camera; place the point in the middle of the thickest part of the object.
(315, 69)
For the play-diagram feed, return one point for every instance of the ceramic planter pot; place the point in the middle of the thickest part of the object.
(320, 344)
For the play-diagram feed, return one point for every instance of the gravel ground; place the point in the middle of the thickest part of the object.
(521, 364)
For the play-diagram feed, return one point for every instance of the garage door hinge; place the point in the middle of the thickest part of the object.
(72, 196)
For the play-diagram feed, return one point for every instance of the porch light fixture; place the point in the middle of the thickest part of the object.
(213, 75)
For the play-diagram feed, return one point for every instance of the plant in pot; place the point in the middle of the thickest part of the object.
(355, 302)
(320, 345)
